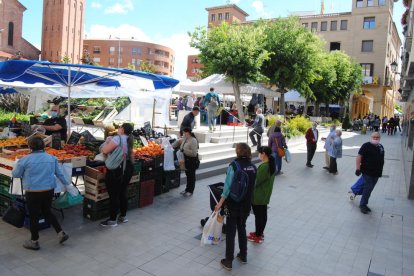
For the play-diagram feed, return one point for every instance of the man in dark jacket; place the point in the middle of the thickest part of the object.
(369, 162)
(258, 129)
(311, 136)
(188, 120)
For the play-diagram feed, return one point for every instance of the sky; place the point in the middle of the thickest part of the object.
(168, 22)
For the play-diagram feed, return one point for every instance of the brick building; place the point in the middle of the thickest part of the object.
(123, 53)
(367, 33)
(62, 30)
(194, 68)
(12, 44)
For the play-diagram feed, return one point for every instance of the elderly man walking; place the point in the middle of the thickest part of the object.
(311, 136)
(328, 145)
(369, 162)
(258, 129)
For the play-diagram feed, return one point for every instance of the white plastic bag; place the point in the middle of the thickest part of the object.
(16, 188)
(67, 172)
(288, 157)
(212, 230)
(168, 155)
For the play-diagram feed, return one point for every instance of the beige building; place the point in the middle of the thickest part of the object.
(62, 30)
(12, 44)
(123, 53)
(367, 33)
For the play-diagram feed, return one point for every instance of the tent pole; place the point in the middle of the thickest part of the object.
(153, 113)
(69, 90)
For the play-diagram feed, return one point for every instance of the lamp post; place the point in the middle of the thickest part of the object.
(394, 67)
(1, 38)
(119, 50)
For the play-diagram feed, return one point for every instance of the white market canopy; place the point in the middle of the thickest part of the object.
(294, 96)
(223, 86)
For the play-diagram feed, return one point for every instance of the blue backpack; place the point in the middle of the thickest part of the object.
(240, 184)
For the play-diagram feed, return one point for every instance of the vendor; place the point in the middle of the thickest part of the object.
(56, 123)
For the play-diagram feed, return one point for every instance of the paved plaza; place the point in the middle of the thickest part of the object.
(313, 229)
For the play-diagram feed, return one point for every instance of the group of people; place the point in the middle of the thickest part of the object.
(209, 103)
(375, 123)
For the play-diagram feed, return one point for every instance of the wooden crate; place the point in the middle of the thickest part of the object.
(96, 197)
(5, 172)
(97, 185)
(135, 178)
(95, 189)
(79, 161)
(94, 173)
(93, 180)
(78, 121)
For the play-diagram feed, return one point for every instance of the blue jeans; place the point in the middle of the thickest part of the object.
(278, 162)
(368, 187)
(211, 117)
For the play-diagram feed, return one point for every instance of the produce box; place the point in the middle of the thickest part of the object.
(160, 186)
(95, 214)
(5, 171)
(133, 190)
(5, 201)
(146, 193)
(93, 180)
(5, 180)
(95, 205)
(96, 196)
(148, 164)
(95, 189)
(147, 175)
(158, 161)
(137, 167)
(172, 178)
(135, 178)
(5, 159)
(133, 202)
(96, 173)
(79, 161)
(78, 121)
(4, 190)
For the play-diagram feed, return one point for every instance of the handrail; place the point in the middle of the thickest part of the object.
(234, 127)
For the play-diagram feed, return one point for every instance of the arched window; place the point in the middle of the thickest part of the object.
(11, 33)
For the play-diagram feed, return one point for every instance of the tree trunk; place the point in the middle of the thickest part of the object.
(327, 113)
(317, 109)
(305, 108)
(282, 110)
(236, 90)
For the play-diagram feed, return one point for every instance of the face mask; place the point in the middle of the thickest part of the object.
(53, 114)
(375, 142)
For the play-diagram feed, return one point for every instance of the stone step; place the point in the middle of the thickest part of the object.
(236, 139)
(207, 147)
(214, 154)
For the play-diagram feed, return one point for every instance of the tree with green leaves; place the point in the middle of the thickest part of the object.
(66, 59)
(145, 66)
(233, 50)
(295, 54)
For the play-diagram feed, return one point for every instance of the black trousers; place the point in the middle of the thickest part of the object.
(260, 214)
(40, 203)
(259, 138)
(117, 182)
(311, 148)
(191, 179)
(234, 222)
(333, 168)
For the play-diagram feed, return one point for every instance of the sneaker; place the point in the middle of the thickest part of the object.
(326, 168)
(226, 264)
(122, 219)
(364, 209)
(369, 209)
(62, 236)
(187, 194)
(183, 192)
(255, 239)
(351, 195)
(32, 245)
(309, 165)
(241, 259)
(254, 235)
(111, 223)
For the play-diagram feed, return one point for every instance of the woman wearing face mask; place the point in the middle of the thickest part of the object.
(56, 123)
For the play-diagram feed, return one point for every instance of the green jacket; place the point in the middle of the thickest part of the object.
(263, 186)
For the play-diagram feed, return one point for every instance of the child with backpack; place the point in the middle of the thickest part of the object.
(262, 192)
(237, 195)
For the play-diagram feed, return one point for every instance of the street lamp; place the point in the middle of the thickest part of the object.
(394, 66)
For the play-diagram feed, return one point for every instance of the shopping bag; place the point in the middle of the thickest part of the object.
(168, 155)
(288, 157)
(67, 200)
(14, 215)
(358, 187)
(212, 230)
(67, 172)
(16, 188)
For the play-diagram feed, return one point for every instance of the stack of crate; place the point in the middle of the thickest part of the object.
(5, 197)
(147, 185)
(96, 202)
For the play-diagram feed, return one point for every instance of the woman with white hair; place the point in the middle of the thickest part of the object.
(335, 151)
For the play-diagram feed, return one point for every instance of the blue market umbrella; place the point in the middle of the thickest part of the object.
(79, 78)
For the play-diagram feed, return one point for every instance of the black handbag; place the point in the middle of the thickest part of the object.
(15, 214)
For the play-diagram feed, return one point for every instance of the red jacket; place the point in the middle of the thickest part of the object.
(310, 137)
